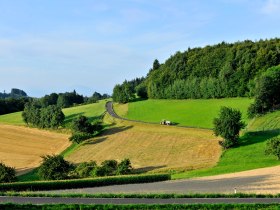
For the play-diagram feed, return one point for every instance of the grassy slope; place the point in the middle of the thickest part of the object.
(12, 119)
(197, 113)
(93, 111)
(250, 153)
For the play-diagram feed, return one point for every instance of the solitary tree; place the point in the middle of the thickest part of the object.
(273, 147)
(228, 125)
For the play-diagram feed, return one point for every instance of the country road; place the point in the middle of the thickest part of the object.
(264, 180)
(119, 201)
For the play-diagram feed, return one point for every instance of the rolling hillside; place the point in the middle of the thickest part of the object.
(250, 153)
(151, 147)
(196, 113)
(22, 147)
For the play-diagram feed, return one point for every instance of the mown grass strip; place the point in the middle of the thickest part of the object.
(139, 206)
(82, 183)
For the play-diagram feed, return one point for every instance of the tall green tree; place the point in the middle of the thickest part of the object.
(228, 125)
(267, 92)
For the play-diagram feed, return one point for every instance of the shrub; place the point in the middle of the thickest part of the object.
(107, 168)
(124, 167)
(273, 147)
(82, 125)
(54, 168)
(7, 174)
(83, 170)
(83, 129)
(80, 137)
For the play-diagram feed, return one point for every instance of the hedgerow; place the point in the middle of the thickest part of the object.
(82, 183)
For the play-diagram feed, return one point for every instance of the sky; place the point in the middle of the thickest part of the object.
(91, 45)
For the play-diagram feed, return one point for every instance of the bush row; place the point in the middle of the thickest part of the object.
(139, 206)
(82, 183)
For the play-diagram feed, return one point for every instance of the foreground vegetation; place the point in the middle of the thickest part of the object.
(82, 183)
(141, 206)
(136, 195)
(195, 113)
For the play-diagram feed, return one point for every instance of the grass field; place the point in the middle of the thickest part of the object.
(93, 111)
(12, 119)
(151, 147)
(270, 121)
(22, 147)
(197, 113)
(250, 153)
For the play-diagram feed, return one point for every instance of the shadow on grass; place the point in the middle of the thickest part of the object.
(95, 141)
(69, 118)
(92, 119)
(147, 169)
(138, 99)
(250, 138)
(32, 175)
(114, 130)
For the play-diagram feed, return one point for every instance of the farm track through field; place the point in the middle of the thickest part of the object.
(110, 110)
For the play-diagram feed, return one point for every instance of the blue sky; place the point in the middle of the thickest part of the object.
(60, 45)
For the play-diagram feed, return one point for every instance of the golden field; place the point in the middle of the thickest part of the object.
(151, 147)
(22, 147)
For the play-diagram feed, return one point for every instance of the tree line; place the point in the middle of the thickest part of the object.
(218, 71)
(13, 103)
(43, 117)
(9, 105)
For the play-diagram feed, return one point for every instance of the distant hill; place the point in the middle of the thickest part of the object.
(15, 93)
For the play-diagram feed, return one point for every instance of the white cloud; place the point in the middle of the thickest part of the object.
(271, 7)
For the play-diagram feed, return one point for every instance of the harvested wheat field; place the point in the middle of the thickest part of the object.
(22, 147)
(152, 147)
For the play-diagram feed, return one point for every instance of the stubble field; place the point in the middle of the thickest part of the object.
(22, 147)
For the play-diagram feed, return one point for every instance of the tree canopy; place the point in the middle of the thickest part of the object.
(267, 92)
(217, 71)
(228, 125)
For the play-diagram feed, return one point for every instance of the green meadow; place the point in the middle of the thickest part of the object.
(250, 153)
(93, 111)
(12, 119)
(193, 112)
